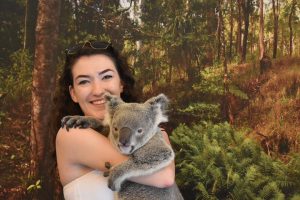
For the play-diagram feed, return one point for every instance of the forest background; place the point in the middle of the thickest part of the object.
(230, 67)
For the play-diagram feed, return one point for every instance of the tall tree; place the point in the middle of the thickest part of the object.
(247, 8)
(219, 30)
(30, 24)
(239, 29)
(42, 146)
(231, 29)
(261, 29)
(227, 112)
(291, 15)
(12, 20)
(275, 6)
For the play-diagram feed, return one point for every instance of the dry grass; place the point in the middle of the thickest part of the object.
(273, 110)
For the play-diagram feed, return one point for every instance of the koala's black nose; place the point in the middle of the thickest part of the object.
(125, 135)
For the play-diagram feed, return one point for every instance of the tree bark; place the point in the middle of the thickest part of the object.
(30, 24)
(261, 29)
(76, 17)
(227, 110)
(246, 10)
(42, 146)
(292, 13)
(252, 37)
(275, 6)
(219, 42)
(231, 30)
(239, 30)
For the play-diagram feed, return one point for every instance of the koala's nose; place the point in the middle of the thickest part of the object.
(124, 136)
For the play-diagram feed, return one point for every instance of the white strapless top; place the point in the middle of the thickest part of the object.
(90, 186)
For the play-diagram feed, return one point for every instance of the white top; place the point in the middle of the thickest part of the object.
(92, 185)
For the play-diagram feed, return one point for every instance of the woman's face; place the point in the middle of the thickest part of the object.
(93, 76)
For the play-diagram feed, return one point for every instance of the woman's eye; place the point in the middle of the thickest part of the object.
(83, 82)
(116, 129)
(107, 77)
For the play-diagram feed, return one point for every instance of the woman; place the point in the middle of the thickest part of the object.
(92, 69)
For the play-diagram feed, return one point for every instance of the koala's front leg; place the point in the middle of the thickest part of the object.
(77, 121)
(119, 174)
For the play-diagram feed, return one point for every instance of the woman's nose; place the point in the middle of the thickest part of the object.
(97, 88)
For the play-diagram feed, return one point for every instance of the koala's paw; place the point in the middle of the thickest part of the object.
(74, 122)
(115, 178)
(114, 184)
(107, 166)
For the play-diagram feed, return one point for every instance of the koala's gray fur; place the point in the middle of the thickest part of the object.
(134, 131)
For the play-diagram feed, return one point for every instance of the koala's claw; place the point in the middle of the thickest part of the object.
(74, 122)
(64, 120)
(106, 174)
(113, 186)
(107, 165)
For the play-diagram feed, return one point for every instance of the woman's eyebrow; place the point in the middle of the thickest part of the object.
(104, 71)
(100, 73)
(82, 76)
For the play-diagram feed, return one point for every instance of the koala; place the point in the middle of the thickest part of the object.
(134, 131)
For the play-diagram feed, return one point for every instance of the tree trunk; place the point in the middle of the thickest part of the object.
(227, 111)
(292, 13)
(219, 45)
(252, 35)
(42, 146)
(275, 6)
(282, 41)
(231, 30)
(246, 10)
(76, 16)
(261, 29)
(30, 24)
(239, 30)
(169, 76)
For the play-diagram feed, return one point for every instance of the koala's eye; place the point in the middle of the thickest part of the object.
(140, 130)
(116, 129)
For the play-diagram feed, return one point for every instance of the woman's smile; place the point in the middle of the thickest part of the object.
(93, 76)
(98, 102)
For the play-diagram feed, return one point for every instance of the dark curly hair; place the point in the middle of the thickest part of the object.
(63, 104)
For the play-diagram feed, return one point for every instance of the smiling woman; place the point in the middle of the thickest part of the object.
(91, 70)
(90, 83)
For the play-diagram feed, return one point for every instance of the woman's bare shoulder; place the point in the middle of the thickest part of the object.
(86, 147)
(73, 135)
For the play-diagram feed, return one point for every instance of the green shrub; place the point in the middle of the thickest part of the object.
(206, 99)
(217, 162)
(16, 80)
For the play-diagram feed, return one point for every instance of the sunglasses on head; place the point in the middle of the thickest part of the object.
(90, 44)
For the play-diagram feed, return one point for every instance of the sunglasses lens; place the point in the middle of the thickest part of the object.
(92, 44)
(99, 45)
(73, 49)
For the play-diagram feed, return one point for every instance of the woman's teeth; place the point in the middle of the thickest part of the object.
(98, 102)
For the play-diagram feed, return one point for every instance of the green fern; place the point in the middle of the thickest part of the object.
(216, 162)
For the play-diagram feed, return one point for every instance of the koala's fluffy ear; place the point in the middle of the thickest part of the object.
(112, 102)
(159, 103)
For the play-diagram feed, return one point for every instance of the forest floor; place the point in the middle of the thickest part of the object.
(271, 116)
(272, 113)
(15, 150)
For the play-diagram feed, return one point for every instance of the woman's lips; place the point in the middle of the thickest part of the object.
(98, 102)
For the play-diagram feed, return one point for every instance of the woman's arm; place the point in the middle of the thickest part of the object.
(89, 148)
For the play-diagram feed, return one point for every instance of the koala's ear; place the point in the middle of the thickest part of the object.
(112, 102)
(160, 101)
